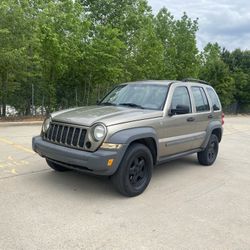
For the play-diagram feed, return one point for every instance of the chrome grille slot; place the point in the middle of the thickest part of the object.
(65, 135)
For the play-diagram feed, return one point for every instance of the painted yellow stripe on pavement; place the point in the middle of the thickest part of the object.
(18, 146)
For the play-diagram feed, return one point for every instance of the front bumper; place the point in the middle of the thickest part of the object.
(91, 162)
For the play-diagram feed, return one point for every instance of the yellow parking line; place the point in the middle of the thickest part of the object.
(18, 146)
(24, 149)
(13, 171)
(10, 158)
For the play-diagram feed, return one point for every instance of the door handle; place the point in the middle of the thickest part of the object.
(190, 119)
(210, 116)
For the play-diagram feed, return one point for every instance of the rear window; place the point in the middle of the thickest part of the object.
(214, 99)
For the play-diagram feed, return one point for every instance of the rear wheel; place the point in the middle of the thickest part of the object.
(56, 166)
(208, 156)
(135, 171)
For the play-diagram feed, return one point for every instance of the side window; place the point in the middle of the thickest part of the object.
(200, 99)
(214, 99)
(181, 98)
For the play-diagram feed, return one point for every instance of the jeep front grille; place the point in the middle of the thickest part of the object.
(66, 135)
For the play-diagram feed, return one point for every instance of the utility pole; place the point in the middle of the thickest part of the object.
(76, 96)
(43, 106)
(32, 98)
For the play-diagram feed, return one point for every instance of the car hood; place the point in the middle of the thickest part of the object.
(109, 115)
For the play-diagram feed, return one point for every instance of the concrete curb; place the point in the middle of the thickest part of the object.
(24, 123)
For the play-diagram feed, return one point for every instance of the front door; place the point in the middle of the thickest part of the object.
(178, 127)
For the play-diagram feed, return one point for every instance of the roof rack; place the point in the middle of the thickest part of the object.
(195, 80)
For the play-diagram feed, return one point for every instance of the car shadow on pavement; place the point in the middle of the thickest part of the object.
(74, 182)
(181, 164)
(176, 167)
(90, 186)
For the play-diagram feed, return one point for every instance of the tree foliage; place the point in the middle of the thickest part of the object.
(228, 72)
(178, 37)
(216, 72)
(72, 52)
(239, 65)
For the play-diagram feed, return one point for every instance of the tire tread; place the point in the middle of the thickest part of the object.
(118, 178)
(202, 156)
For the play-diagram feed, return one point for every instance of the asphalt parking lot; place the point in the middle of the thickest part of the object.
(186, 206)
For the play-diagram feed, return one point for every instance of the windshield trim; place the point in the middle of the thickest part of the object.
(100, 102)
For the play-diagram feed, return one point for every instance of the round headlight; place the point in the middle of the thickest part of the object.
(46, 124)
(99, 132)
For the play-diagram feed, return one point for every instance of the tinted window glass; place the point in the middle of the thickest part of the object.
(200, 99)
(181, 97)
(214, 99)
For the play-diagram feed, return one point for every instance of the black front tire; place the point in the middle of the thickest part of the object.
(208, 156)
(56, 166)
(135, 171)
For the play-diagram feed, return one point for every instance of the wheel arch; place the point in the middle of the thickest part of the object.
(150, 143)
(144, 135)
(213, 128)
(218, 133)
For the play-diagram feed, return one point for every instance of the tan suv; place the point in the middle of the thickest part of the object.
(134, 127)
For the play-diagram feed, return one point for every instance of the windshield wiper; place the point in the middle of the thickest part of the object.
(107, 104)
(132, 105)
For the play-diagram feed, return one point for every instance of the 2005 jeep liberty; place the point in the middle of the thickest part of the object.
(134, 127)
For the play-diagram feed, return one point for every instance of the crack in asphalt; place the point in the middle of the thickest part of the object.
(205, 192)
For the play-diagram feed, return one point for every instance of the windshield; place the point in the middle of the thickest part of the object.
(145, 96)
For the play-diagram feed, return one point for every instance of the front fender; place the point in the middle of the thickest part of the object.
(129, 135)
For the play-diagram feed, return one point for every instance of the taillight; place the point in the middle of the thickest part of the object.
(222, 118)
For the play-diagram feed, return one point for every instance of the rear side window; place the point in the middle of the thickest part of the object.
(200, 99)
(214, 99)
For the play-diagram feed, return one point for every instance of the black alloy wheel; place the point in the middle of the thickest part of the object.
(208, 156)
(138, 172)
(135, 171)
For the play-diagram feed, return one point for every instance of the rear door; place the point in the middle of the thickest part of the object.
(215, 103)
(202, 114)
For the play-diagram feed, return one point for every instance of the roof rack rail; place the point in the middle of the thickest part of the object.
(195, 80)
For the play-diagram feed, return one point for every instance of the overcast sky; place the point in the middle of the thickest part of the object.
(225, 22)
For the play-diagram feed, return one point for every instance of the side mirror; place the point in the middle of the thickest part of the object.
(98, 101)
(179, 110)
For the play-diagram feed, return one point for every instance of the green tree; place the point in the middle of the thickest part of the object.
(59, 28)
(141, 55)
(72, 52)
(215, 71)
(239, 64)
(103, 62)
(179, 40)
(144, 55)
(242, 86)
(13, 47)
(187, 54)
